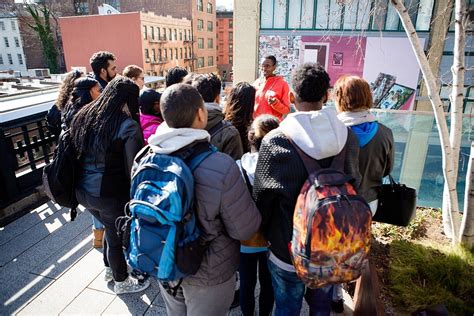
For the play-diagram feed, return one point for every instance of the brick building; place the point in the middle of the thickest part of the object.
(225, 44)
(203, 20)
(155, 43)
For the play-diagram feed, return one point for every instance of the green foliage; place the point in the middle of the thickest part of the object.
(414, 230)
(42, 26)
(422, 276)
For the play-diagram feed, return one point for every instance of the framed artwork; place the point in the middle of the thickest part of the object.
(396, 97)
(338, 59)
(381, 86)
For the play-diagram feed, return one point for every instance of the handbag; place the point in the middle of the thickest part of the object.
(396, 204)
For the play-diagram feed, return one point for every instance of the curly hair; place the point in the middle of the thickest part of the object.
(100, 60)
(95, 125)
(260, 127)
(66, 88)
(208, 85)
(175, 75)
(310, 82)
(239, 109)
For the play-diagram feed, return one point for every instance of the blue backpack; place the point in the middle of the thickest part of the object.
(164, 240)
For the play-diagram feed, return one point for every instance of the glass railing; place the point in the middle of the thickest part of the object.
(418, 160)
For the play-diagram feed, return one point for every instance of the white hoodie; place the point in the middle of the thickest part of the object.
(320, 134)
(167, 140)
(248, 164)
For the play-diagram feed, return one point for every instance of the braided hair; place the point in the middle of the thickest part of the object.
(95, 125)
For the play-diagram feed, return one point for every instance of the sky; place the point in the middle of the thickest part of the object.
(229, 4)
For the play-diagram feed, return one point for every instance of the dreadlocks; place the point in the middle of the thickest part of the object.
(95, 125)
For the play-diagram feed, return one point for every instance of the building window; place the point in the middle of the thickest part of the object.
(210, 61)
(147, 55)
(1, 59)
(200, 43)
(210, 26)
(164, 34)
(210, 43)
(180, 35)
(181, 53)
(152, 32)
(231, 48)
(170, 35)
(145, 35)
(159, 54)
(231, 36)
(217, 59)
(17, 42)
(231, 59)
(175, 34)
(20, 59)
(217, 47)
(158, 33)
(200, 5)
(13, 25)
(231, 23)
(176, 53)
(189, 35)
(200, 62)
(209, 7)
(2, 26)
(166, 53)
(10, 59)
(153, 54)
(200, 25)
(5, 39)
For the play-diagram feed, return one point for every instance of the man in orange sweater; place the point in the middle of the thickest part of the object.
(272, 95)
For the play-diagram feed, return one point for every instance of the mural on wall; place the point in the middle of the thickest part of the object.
(372, 58)
(286, 49)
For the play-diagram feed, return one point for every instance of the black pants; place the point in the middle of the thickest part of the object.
(249, 262)
(106, 211)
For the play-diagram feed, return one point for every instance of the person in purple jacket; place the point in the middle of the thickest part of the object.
(150, 114)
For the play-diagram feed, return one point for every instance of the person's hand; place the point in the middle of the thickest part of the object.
(271, 97)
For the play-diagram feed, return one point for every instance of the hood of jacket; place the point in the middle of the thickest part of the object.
(214, 114)
(320, 134)
(167, 140)
(248, 162)
(362, 123)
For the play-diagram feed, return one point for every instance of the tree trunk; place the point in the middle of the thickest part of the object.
(433, 93)
(467, 225)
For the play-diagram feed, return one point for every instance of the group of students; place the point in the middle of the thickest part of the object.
(245, 193)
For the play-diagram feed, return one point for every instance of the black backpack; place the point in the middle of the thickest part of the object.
(60, 175)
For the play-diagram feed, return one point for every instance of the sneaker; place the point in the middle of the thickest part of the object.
(337, 306)
(108, 275)
(130, 285)
(236, 300)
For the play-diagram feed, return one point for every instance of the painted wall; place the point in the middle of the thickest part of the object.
(345, 55)
(120, 34)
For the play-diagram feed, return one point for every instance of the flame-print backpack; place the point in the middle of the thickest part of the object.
(331, 225)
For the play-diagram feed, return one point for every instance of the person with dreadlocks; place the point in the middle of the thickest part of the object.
(106, 140)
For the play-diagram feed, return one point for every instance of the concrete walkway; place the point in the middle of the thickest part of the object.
(48, 267)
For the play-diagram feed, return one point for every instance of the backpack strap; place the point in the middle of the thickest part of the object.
(217, 128)
(194, 155)
(310, 163)
(246, 178)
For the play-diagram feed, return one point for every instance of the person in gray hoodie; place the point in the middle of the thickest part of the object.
(225, 210)
(280, 174)
(223, 134)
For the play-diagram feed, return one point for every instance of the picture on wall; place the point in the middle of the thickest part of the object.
(381, 86)
(337, 59)
(396, 97)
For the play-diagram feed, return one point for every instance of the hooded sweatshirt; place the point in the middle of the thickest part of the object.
(274, 86)
(225, 210)
(227, 138)
(149, 124)
(280, 172)
(376, 151)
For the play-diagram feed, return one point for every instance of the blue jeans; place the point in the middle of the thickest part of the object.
(96, 224)
(289, 291)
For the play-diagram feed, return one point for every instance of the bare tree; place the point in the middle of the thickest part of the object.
(450, 140)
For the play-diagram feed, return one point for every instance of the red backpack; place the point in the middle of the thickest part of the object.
(331, 225)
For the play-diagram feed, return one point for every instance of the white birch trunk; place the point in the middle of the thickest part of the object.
(433, 94)
(467, 225)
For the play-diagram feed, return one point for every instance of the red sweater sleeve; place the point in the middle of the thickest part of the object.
(282, 104)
